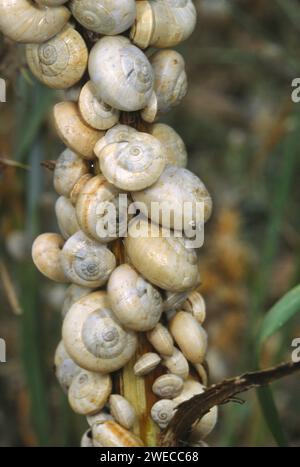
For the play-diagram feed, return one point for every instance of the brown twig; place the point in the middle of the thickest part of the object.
(192, 410)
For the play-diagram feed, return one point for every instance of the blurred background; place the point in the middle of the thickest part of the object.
(242, 131)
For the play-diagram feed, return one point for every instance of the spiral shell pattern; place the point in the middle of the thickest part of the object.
(95, 112)
(162, 412)
(89, 392)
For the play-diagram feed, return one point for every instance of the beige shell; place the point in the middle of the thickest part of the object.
(69, 168)
(167, 386)
(161, 340)
(162, 412)
(46, 250)
(66, 217)
(202, 372)
(73, 294)
(93, 336)
(97, 210)
(189, 335)
(51, 3)
(85, 262)
(195, 304)
(87, 440)
(173, 300)
(182, 200)
(89, 392)
(73, 131)
(65, 368)
(134, 163)
(23, 21)
(99, 417)
(78, 187)
(163, 23)
(110, 434)
(190, 389)
(122, 411)
(173, 144)
(121, 73)
(60, 62)
(177, 364)
(107, 17)
(95, 112)
(135, 302)
(173, 267)
(146, 363)
(117, 134)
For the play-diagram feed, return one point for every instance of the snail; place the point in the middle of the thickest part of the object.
(173, 300)
(167, 386)
(87, 440)
(146, 363)
(195, 304)
(107, 17)
(163, 23)
(73, 294)
(94, 338)
(60, 62)
(98, 211)
(177, 364)
(66, 217)
(122, 411)
(65, 368)
(174, 265)
(181, 197)
(117, 134)
(95, 112)
(23, 21)
(69, 168)
(85, 262)
(134, 163)
(73, 131)
(89, 392)
(162, 412)
(111, 434)
(173, 144)
(161, 340)
(135, 302)
(122, 74)
(78, 187)
(46, 250)
(99, 417)
(189, 335)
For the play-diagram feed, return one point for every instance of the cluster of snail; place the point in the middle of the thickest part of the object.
(153, 291)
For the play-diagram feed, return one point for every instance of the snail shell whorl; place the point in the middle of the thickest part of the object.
(61, 62)
(162, 412)
(69, 168)
(95, 112)
(46, 250)
(173, 144)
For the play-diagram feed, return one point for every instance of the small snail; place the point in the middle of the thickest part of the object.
(66, 217)
(122, 411)
(60, 62)
(146, 363)
(121, 73)
(135, 302)
(161, 340)
(107, 17)
(162, 412)
(65, 367)
(46, 250)
(173, 144)
(167, 386)
(85, 262)
(163, 23)
(177, 364)
(73, 131)
(89, 392)
(23, 21)
(195, 304)
(94, 338)
(73, 294)
(111, 434)
(117, 134)
(99, 417)
(95, 112)
(69, 168)
(173, 300)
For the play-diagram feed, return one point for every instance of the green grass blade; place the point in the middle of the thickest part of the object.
(271, 417)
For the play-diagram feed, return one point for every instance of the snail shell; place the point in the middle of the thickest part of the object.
(89, 392)
(94, 213)
(195, 304)
(173, 144)
(146, 363)
(60, 62)
(93, 336)
(163, 23)
(46, 250)
(87, 440)
(189, 335)
(133, 164)
(122, 411)
(95, 112)
(85, 262)
(162, 412)
(69, 168)
(173, 301)
(177, 364)
(99, 417)
(73, 131)
(202, 372)
(107, 17)
(174, 265)
(135, 302)
(65, 368)
(66, 217)
(111, 434)
(167, 386)
(78, 187)
(117, 134)
(73, 294)
(182, 199)
(23, 21)
(161, 340)
(121, 73)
